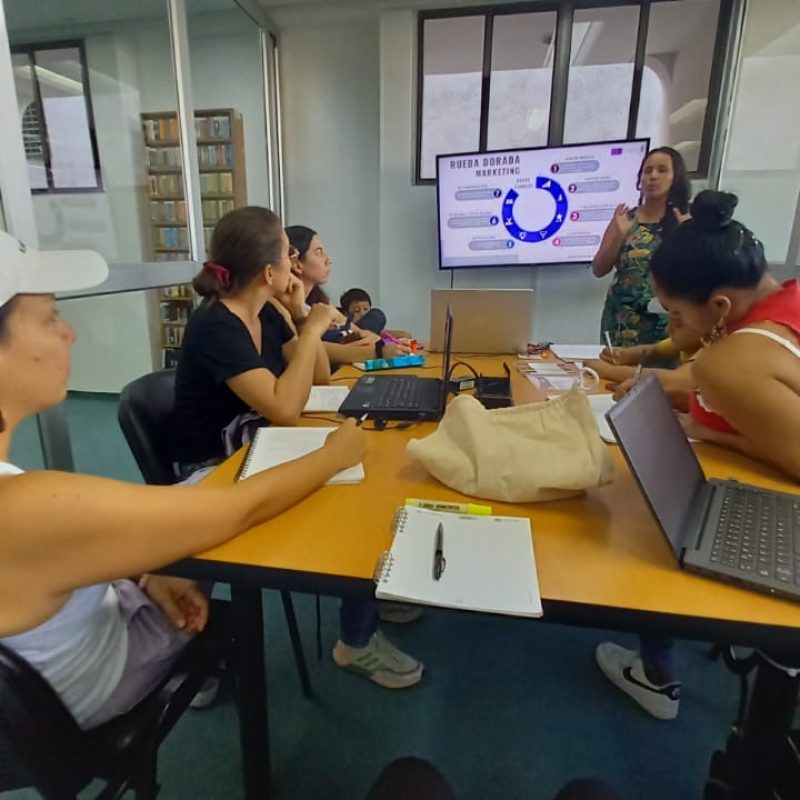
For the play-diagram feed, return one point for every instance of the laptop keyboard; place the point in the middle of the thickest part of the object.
(759, 534)
(399, 394)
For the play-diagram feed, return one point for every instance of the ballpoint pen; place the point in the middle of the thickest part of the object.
(439, 561)
(610, 346)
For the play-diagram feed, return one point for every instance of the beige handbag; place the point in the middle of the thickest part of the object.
(535, 452)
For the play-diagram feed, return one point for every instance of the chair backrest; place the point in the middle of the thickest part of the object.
(41, 745)
(145, 413)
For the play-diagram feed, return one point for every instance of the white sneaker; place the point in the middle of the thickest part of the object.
(380, 661)
(625, 670)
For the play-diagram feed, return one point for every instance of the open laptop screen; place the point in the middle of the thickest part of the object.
(448, 344)
(659, 455)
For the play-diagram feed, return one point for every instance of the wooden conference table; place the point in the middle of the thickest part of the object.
(600, 557)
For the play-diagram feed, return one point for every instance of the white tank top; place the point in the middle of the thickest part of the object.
(81, 650)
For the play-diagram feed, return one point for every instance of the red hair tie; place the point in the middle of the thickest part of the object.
(222, 274)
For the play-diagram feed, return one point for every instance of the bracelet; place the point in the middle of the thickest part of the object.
(379, 348)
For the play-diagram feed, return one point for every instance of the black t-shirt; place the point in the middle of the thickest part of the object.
(217, 347)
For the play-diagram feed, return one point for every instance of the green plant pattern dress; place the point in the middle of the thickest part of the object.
(625, 314)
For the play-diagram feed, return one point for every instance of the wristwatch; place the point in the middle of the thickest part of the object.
(379, 348)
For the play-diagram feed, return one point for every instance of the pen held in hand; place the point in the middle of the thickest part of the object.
(610, 347)
(637, 374)
(439, 561)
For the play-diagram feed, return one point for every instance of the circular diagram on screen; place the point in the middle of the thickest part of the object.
(515, 222)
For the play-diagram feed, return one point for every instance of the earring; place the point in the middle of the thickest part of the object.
(717, 332)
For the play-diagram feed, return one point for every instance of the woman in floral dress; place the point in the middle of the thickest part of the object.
(629, 241)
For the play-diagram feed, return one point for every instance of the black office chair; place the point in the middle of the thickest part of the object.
(145, 413)
(43, 748)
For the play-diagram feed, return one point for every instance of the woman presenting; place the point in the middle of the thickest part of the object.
(629, 241)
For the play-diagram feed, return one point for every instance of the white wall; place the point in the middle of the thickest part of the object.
(331, 141)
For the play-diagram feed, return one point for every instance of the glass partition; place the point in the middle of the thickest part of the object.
(97, 103)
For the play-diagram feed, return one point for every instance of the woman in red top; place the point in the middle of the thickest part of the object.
(711, 276)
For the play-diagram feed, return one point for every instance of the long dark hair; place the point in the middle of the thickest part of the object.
(711, 251)
(679, 193)
(244, 241)
(300, 236)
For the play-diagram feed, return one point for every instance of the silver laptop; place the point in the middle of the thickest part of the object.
(724, 529)
(488, 320)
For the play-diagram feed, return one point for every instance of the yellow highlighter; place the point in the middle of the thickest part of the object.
(452, 508)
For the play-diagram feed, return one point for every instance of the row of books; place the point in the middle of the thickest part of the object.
(215, 155)
(217, 127)
(165, 129)
(216, 183)
(170, 358)
(168, 210)
(175, 312)
(178, 237)
(210, 183)
(172, 335)
(175, 210)
(213, 210)
(209, 155)
(172, 237)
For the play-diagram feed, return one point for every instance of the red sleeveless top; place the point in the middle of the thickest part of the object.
(781, 308)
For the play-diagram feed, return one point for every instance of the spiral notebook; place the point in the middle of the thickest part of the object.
(490, 565)
(273, 446)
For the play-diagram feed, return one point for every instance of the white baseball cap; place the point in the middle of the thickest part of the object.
(27, 271)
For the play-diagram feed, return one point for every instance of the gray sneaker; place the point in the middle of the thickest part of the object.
(380, 661)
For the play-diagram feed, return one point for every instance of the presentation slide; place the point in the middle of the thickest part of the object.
(544, 206)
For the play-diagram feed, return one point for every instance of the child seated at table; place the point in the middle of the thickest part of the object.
(356, 305)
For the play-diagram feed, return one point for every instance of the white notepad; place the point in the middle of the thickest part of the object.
(577, 352)
(325, 398)
(273, 446)
(601, 403)
(490, 563)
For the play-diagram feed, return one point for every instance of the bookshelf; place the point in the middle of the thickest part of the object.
(223, 187)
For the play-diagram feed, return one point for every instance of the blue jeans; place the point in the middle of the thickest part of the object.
(657, 658)
(358, 620)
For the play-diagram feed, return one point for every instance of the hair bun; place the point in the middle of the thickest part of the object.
(712, 211)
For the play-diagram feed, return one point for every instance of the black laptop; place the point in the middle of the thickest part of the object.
(724, 529)
(402, 397)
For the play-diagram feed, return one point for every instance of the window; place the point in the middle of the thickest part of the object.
(675, 81)
(600, 79)
(498, 77)
(451, 87)
(521, 79)
(56, 117)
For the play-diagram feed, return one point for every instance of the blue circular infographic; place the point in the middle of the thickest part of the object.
(524, 235)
